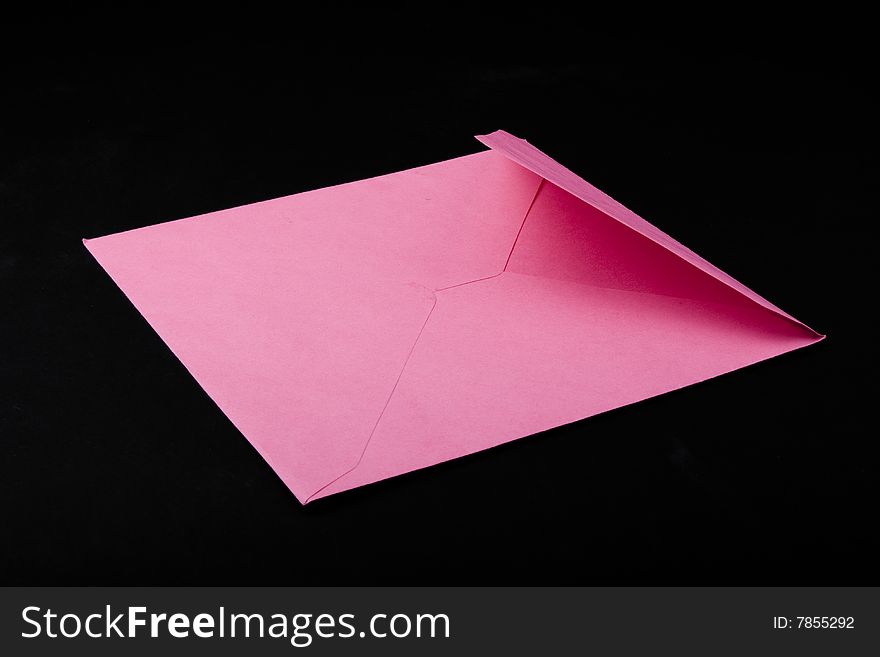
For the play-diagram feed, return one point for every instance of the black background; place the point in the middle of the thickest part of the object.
(751, 140)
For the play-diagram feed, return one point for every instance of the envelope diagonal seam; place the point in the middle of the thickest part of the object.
(384, 407)
(512, 246)
(416, 341)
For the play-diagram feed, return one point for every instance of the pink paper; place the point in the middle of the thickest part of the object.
(362, 331)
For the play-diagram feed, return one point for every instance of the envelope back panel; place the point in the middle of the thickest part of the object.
(517, 354)
(358, 332)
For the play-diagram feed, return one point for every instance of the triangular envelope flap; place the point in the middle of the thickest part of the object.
(526, 155)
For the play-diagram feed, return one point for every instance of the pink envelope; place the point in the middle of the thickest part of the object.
(366, 330)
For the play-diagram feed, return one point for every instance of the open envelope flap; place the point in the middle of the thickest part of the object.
(523, 153)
